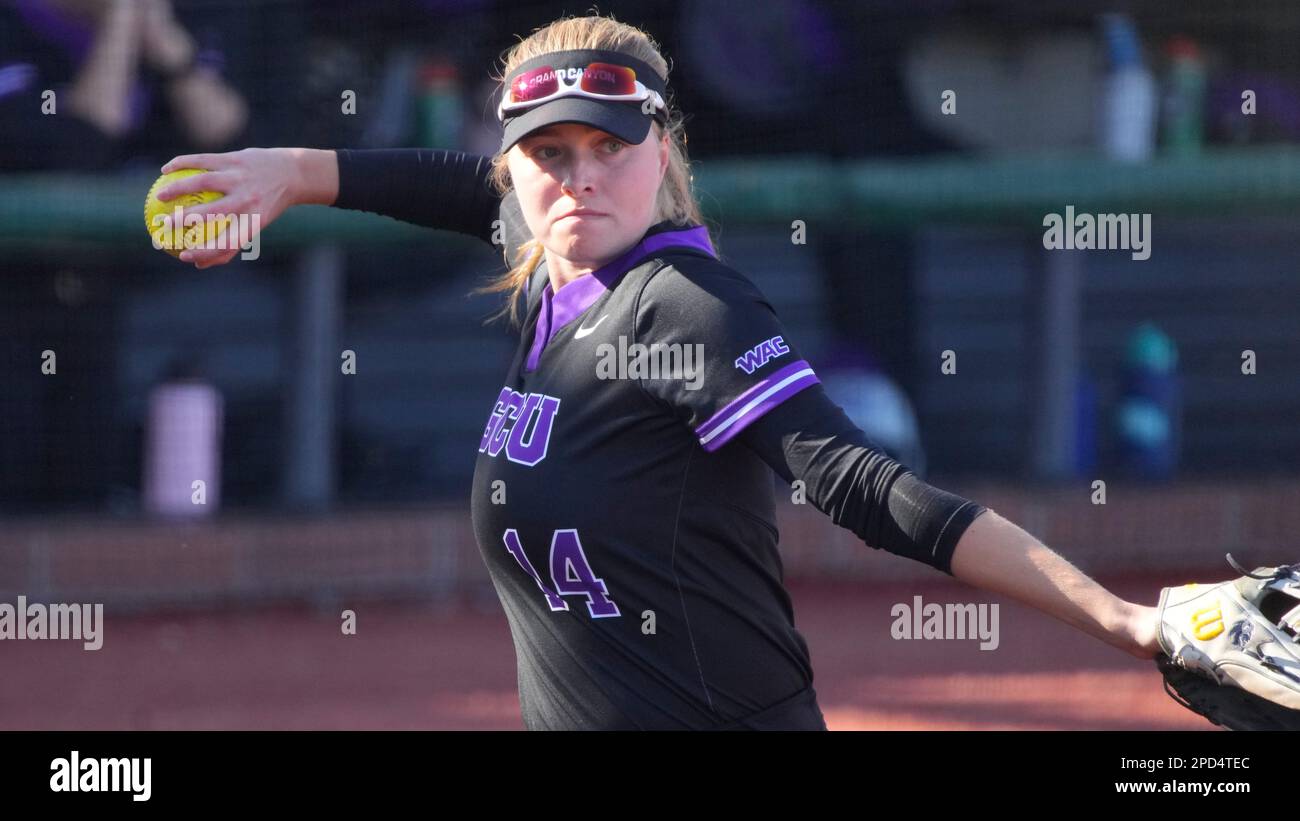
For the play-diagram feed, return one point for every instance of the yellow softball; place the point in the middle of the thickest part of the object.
(161, 218)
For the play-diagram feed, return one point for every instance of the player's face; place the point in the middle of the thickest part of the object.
(617, 180)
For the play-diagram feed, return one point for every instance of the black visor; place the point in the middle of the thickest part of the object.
(624, 119)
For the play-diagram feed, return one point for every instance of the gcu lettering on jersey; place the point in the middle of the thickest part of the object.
(521, 424)
(759, 355)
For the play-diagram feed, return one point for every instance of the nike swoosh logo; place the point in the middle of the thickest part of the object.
(581, 332)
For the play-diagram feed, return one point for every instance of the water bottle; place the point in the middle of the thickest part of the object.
(441, 109)
(1184, 102)
(1128, 101)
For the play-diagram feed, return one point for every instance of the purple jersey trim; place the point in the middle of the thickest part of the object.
(558, 310)
(739, 413)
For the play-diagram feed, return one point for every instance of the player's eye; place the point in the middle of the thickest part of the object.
(539, 153)
(618, 145)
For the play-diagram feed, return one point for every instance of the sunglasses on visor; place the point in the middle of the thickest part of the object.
(599, 81)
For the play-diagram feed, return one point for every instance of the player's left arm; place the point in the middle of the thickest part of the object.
(997, 555)
(1229, 650)
(753, 384)
(755, 387)
(888, 506)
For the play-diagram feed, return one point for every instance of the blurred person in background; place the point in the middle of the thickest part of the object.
(107, 61)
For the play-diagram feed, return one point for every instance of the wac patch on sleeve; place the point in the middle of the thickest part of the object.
(762, 353)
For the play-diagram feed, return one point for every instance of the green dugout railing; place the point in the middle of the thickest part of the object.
(38, 208)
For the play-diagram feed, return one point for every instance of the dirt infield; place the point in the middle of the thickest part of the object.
(452, 667)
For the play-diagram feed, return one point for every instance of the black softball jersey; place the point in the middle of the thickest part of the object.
(623, 498)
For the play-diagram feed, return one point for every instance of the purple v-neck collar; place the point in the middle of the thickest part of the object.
(559, 309)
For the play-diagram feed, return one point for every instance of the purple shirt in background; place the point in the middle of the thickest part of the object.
(74, 36)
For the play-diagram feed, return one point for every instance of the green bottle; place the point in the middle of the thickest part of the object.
(441, 108)
(1184, 103)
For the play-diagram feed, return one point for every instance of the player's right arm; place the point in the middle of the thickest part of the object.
(436, 188)
(433, 187)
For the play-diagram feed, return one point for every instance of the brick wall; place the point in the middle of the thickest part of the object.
(428, 552)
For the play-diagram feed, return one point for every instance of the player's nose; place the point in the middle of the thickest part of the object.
(579, 176)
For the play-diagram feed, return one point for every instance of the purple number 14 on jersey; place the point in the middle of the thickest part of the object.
(570, 573)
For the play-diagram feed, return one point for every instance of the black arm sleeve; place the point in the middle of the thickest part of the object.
(432, 187)
(852, 480)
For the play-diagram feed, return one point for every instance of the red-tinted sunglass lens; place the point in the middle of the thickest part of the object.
(534, 85)
(605, 78)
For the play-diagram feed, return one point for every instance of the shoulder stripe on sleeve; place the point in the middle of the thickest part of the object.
(719, 428)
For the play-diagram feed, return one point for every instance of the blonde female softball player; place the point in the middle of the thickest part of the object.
(631, 491)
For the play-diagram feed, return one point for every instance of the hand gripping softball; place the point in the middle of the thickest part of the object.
(1232, 649)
